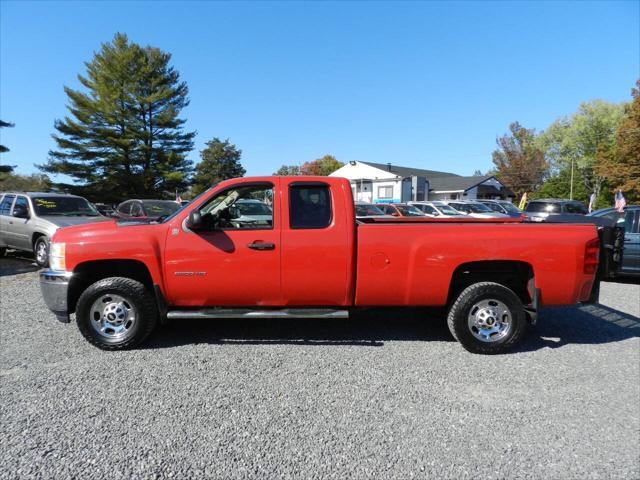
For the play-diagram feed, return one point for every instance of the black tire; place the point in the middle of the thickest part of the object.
(41, 243)
(135, 295)
(3, 251)
(458, 318)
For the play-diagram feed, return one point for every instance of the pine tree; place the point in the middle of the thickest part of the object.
(220, 160)
(124, 137)
(4, 124)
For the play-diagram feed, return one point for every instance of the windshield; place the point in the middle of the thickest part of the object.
(253, 208)
(446, 209)
(160, 208)
(409, 211)
(367, 210)
(509, 207)
(67, 206)
(478, 208)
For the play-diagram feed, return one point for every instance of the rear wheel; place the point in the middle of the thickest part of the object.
(487, 318)
(41, 251)
(116, 313)
(3, 251)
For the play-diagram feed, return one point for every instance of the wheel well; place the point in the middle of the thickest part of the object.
(35, 237)
(88, 273)
(514, 275)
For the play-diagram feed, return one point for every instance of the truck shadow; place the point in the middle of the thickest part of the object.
(586, 324)
(581, 324)
(367, 328)
(14, 263)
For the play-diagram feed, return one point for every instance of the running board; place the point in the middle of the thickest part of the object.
(248, 313)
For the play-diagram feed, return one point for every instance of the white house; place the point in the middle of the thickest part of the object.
(386, 183)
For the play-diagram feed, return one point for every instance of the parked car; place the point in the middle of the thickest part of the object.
(314, 260)
(400, 210)
(503, 206)
(366, 210)
(539, 210)
(105, 209)
(630, 221)
(437, 209)
(473, 209)
(28, 220)
(146, 210)
(250, 212)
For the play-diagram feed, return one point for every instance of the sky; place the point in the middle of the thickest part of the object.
(421, 84)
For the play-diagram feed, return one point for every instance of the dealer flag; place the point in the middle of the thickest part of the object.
(523, 201)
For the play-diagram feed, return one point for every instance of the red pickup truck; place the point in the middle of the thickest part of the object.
(291, 247)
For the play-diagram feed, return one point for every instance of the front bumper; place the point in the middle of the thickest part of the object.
(54, 286)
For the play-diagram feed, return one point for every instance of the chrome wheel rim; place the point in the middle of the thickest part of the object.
(112, 316)
(41, 252)
(489, 320)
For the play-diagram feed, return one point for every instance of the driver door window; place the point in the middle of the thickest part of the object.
(241, 208)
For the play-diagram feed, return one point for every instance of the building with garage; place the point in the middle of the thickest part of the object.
(387, 183)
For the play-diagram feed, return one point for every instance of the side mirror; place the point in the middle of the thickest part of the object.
(20, 212)
(194, 221)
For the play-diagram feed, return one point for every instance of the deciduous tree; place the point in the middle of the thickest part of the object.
(288, 170)
(321, 166)
(520, 164)
(620, 165)
(220, 160)
(581, 139)
(124, 136)
(27, 183)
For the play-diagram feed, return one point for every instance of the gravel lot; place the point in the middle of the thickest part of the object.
(385, 395)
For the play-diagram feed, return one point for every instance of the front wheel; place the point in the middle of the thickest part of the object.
(41, 251)
(487, 318)
(116, 313)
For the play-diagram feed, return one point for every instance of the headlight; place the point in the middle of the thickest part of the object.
(56, 257)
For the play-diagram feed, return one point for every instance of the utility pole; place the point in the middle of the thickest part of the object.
(571, 187)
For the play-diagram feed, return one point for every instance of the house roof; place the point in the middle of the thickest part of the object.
(408, 171)
(455, 184)
(438, 181)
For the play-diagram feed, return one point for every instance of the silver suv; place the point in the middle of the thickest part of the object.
(29, 219)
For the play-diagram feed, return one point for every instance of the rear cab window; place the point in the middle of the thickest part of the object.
(309, 205)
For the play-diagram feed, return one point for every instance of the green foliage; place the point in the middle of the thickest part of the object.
(285, 170)
(559, 186)
(220, 160)
(581, 139)
(519, 162)
(322, 166)
(4, 124)
(124, 137)
(26, 183)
